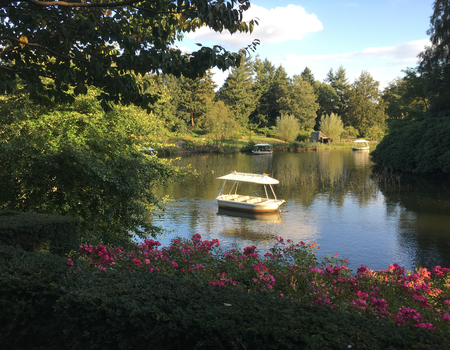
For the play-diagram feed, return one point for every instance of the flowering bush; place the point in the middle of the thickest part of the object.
(293, 271)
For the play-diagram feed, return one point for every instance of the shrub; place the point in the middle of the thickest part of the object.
(420, 147)
(47, 304)
(34, 232)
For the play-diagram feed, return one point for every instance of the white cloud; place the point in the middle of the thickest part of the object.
(275, 26)
(390, 61)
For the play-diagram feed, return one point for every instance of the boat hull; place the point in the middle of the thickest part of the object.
(360, 148)
(249, 204)
(256, 153)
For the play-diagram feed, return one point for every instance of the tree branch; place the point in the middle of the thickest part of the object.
(100, 4)
(42, 47)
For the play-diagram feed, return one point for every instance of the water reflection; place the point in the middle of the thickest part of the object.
(266, 217)
(423, 208)
(332, 197)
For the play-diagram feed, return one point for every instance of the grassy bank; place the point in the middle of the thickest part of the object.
(189, 144)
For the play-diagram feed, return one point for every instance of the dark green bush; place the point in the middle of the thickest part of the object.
(47, 305)
(34, 232)
(421, 147)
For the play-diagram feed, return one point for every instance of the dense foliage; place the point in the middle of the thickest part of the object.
(420, 106)
(79, 161)
(175, 300)
(39, 232)
(421, 147)
(81, 44)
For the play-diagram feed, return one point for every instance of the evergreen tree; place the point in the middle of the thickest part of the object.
(328, 101)
(308, 76)
(278, 89)
(435, 60)
(195, 98)
(366, 108)
(340, 84)
(300, 101)
(264, 76)
(237, 92)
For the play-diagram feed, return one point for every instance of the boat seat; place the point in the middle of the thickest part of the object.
(242, 198)
(254, 200)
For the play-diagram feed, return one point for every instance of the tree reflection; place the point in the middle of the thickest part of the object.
(423, 207)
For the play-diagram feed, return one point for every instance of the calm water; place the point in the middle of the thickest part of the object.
(332, 198)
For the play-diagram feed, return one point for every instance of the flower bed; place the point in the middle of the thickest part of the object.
(293, 271)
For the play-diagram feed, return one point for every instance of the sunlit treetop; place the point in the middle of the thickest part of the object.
(55, 49)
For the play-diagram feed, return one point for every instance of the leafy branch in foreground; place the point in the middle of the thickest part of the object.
(80, 44)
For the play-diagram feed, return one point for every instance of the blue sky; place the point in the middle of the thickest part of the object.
(382, 37)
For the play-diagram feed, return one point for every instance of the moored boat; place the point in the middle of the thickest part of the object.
(235, 201)
(262, 148)
(361, 145)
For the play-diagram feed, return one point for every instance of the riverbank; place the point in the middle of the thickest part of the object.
(188, 145)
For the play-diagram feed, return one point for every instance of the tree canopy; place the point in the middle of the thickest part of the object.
(435, 59)
(56, 49)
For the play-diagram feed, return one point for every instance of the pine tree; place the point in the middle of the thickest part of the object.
(435, 60)
(340, 84)
(237, 92)
(308, 76)
(300, 101)
(366, 108)
(264, 76)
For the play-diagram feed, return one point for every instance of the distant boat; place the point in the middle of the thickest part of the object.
(148, 150)
(361, 145)
(235, 201)
(262, 148)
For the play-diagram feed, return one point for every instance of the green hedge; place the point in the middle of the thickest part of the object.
(34, 232)
(47, 305)
(421, 147)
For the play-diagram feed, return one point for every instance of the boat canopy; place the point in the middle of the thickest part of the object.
(262, 179)
(358, 141)
(262, 145)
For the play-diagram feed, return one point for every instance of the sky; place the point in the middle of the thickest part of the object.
(382, 37)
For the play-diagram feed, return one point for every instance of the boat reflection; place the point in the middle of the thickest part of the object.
(266, 217)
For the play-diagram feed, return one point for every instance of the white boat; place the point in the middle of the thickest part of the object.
(262, 148)
(148, 150)
(361, 145)
(235, 201)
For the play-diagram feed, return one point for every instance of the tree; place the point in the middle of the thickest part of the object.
(308, 76)
(196, 97)
(328, 100)
(300, 101)
(278, 89)
(434, 64)
(237, 92)
(366, 108)
(79, 161)
(340, 84)
(405, 99)
(55, 50)
(287, 127)
(219, 121)
(332, 126)
(264, 76)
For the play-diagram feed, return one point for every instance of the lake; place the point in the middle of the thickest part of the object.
(333, 197)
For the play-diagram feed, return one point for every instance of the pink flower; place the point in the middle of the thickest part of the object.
(69, 262)
(426, 325)
(249, 250)
(446, 317)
